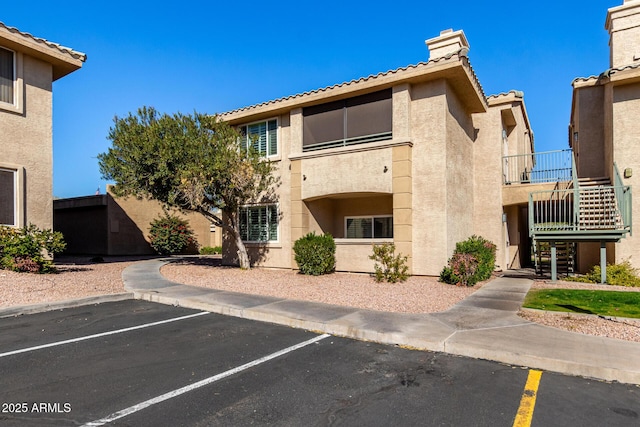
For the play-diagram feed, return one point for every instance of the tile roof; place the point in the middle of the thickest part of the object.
(606, 73)
(516, 93)
(462, 53)
(75, 54)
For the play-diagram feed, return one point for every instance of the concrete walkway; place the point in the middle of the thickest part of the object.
(484, 325)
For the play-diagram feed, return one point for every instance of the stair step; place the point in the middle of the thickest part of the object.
(592, 182)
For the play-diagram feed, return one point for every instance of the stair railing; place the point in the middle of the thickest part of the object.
(623, 199)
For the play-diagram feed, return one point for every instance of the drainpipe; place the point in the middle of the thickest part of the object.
(603, 262)
(554, 264)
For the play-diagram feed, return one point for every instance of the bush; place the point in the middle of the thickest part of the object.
(170, 235)
(471, 269)
(29, 249)
(388, 266)
(622, 274)
(464, 267)
(315, 255)
(208, 250)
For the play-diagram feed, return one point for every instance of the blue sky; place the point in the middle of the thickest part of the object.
(213, 56)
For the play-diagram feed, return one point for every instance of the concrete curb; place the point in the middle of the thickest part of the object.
(484, 325)
(60, 305)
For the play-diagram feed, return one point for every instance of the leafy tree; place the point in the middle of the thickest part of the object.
(192, 162)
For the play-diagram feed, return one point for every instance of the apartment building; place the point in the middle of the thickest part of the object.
(28, 67)
(411, 156)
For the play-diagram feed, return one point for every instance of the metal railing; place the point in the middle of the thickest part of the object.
(551, 210)
(623, 198)
(547, 166)
(580, 210)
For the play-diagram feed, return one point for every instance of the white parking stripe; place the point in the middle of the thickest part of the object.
(135, 408)
(103, 334)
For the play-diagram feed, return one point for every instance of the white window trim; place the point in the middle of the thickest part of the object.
(17, 106)
(372, 229)
(278, 148)
(18, 195)
(263, 242)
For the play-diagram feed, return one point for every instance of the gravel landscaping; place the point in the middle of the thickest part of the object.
(79, 277)
(416, 295)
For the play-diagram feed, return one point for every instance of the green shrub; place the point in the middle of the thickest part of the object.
(447, 276)
(170, 235)
(29, 249)
(388, 266)
(208, 250)
(314, 254)
(479, 249)
(622, 274)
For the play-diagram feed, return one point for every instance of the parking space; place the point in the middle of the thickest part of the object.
(137, 363)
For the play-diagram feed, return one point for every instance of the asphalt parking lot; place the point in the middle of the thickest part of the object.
(135, 363)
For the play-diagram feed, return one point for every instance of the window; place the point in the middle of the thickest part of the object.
(8, 197)
(259, 223)
(364, 118)
(370, 227)
(7, 75)
(262, 136)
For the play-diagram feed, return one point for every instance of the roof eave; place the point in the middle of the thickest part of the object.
(454, 68)
(63, 60)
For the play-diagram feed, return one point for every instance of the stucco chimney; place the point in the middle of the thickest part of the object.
(623, 24)
(447, 42)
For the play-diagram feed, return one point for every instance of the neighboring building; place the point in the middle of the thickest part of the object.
(605, 128)
(28, 66)
(420, 157)
(104, 225)
(411, 156)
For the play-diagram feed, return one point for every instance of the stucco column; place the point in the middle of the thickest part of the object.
(402, 185)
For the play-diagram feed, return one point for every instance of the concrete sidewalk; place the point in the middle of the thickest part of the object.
(484, 325)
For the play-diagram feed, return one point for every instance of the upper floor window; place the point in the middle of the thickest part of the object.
(364, 118)
(7, 75)
(259, 223)
(369, 227)
(262, 136)
(8, 199)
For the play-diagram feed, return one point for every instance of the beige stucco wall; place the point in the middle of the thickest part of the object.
(623, 24)
(26, 141)
(589, 148)
(460, 173)
(626, 153)
(487, 212)
(336, 172)
(428, 134)
(129, 221)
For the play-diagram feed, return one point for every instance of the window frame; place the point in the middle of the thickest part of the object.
(244, 129)
(16, 195)
(266, 206)
(17, 105)
(372, 218)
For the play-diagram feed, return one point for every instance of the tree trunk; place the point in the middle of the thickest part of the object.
(243, 256)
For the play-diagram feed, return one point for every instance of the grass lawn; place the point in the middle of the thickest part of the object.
(606, 303)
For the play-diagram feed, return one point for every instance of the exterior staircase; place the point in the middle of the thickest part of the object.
(565, 258)
(576, 210)
(598, 209)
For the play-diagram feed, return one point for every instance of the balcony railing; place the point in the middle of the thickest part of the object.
(535, 168)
